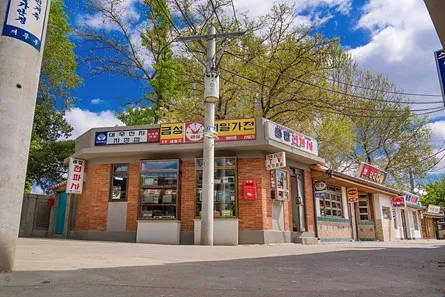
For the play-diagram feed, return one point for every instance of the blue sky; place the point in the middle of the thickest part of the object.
(395, 38)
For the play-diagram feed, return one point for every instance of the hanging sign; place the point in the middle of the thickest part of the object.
(75, 176)
(398, 201)
(440, 63)
(277, 160)
(25, 21)
(433, 209)
(371, 173)
(291, 138)
(412, 200)
(193, 132)
(320, 186)
(352, 194)
(127, 137)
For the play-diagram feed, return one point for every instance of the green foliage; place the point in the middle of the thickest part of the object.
(435, 193)
(141, 115)
(58, 77)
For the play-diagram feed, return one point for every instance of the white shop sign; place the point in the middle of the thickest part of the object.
(25, 20)
(75, 176)
(277, 160)
(433, 209)
(291, 138)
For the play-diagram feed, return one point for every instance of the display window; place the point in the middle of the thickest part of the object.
(225, 183)
(159, 189)
(279, 181)
(119, 182)
(363, 208)
(331, 202)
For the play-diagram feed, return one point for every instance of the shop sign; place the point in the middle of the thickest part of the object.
(412, 200)
(291, 138)
(352, 195)
(398, 201)
(76, 171)
(442, 220)
(193, 132)
(433, 209)
(277, 160)
(371, 173)
(127, 137)
(25, 21)
(320, 186)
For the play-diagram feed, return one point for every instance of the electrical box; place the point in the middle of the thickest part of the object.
(250, 190)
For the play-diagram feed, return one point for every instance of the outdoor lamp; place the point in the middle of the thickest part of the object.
(416, 190)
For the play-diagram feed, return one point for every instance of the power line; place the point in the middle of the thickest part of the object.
(328, 89)
(431, 110)
(216, 15)
(234, 14)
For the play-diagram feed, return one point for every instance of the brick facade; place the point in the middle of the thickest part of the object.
(188, 195)
(334, 230)
(133, 196)
(309, 202)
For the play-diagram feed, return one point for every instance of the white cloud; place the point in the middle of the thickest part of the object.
(96, 101)
(438, 132)
(83, 120)
(402, 43)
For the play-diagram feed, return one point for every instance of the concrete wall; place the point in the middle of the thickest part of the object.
(334, 229)
(384, 227)
(158, 231)
(35, 220)
(225, 231)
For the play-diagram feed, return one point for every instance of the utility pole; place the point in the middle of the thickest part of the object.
(21, 47)
(211, 96)
(411, 179)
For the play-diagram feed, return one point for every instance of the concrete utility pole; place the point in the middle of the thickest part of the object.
(21, 47)
(211, 96)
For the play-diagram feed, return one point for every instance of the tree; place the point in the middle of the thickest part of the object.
(435, 193)
(58, 77)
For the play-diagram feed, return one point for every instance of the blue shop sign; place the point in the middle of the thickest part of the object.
(440, 63)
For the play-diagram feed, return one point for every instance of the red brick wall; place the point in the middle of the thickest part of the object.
(309, 202)
(187, 202)
(133, 196)
(92, 207)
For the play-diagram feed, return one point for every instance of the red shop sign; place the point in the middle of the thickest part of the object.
(398, 201)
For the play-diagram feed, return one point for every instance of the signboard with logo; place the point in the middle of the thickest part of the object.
(25, 21)
(352, 194)
(371, 173)
(193, 132)
(76, 171)
(277, 160)
(412, 200)
(320, 186)
(127, 137)
(291, 138)
(433, 209)
(440, 63)
(398, 201)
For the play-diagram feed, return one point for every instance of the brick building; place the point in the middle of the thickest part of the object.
(143, 184)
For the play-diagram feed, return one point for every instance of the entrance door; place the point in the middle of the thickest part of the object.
(297, 194)
(405, 234)
(60, 216)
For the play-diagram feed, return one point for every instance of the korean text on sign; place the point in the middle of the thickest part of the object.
(242, 129)
(76, 171)
(25, 20)
(292, 138)
(172, 133)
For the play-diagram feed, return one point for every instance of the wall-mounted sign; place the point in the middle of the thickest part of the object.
(76, 171)
(433, 209)
(412, 200)
(352, 194)
(398, 201)
(442, 220)
(291, 138)
(127, 137)
(320, 186)
(277, 160)
(25, 21)
(371, 173)
(193, 132)
(440, 63)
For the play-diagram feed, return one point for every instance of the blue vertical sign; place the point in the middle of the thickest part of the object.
(440, 62)
(25, 21)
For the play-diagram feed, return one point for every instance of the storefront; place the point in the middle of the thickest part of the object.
(144, 184)
(352, 209)
(431, 217)
(407, 216)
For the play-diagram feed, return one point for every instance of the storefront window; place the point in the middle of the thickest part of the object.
(159, 189)
(119, 182)
(363, 209)
(331, 202)
(225, 187)
(279, 184)
(416, 223)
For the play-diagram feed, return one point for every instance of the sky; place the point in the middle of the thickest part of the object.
(393, 38)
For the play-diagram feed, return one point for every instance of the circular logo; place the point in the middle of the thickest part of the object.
(194, 132)
(352, 192)
(320, 185)
(101, 137)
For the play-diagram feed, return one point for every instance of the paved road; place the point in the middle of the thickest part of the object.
(83, 268)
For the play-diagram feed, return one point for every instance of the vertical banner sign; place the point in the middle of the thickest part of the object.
(277, 160)
(25, 20)
(440, 63)
(75, 176)
(352, 195)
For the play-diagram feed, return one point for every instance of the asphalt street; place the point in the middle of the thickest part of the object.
(59, 268)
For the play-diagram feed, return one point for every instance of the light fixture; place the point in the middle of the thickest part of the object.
(421, 192)
(416, 190)
(425, 193)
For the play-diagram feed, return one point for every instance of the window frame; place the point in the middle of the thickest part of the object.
(415, 220)
(143, 187)
(332, 191)
(112, 175)
(368, 208)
